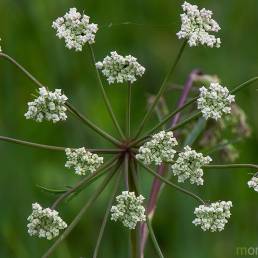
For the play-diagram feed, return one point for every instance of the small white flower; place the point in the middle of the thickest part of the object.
(189, 166)
(117, 68)
(196, 25)
(128, 209)
(159, 149)
(0, 46)
(44, 223)
(82, 160)
(75, 29)
(213, 217)
(215, 101)
(253, 183)
(48, 106)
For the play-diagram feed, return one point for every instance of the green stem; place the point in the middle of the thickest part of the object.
(84, 182)
(128, 110)
(21, 68)
(186, 121)
(78, 217)
(169, 116)
(153, 238)
(161, 90)
(135, 251)
(55, 148)
(232, 166)
(247, 83)
(104, 222)
(151, 171)
(104, 95)
(93, 126)
(31, 144)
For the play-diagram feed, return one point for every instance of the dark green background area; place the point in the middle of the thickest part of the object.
(25, 29)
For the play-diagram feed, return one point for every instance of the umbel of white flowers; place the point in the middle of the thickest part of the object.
(128, 209)
(196, 26)
(159, 149)
(75, 29)
(189, 166)
(213, 217)
(48, 106)
(82, 161)
(44, 223)
(117, 68)
(253, 183)
(215, 101)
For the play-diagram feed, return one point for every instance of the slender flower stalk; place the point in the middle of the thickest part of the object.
(128, 110)
(161, 90)
(51, 147)
(153, 238)
(105, 219)
(85, 182)
(92, 125)
(221, 166)
(147, 223)
(104, 95)
(154, 173)
(78, 217)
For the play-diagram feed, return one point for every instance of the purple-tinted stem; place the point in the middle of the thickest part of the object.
(156, 185)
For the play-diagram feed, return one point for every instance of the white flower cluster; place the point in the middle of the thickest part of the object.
(117, 68)
(82, 160)
(196, 25)
(189, 166)
(48, 106)
(44, 223)
(253, 183)
(159, 149)
(213, 217)
(128, 209)
(215, 101)
(75, 29)
(0, 46)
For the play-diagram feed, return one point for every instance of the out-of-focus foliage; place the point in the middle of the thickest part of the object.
(145, 29)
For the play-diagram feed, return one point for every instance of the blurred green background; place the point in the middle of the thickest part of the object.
(25, 29)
